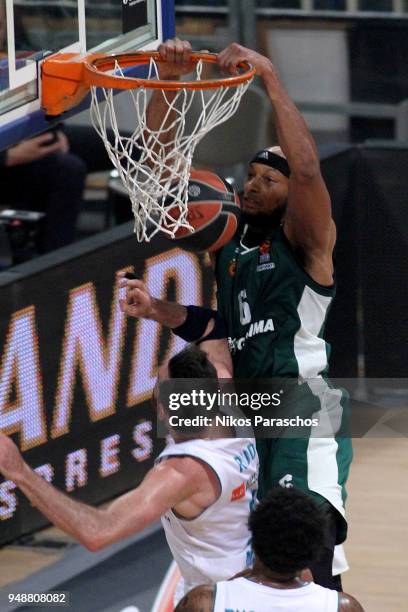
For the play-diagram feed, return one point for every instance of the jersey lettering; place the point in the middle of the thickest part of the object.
(259, 327)
(245, 458)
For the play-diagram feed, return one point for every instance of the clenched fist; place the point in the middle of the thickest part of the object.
(138, 301)
(177, 54)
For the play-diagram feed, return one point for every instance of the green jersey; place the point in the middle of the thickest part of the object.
(275, 312)
(275, 315)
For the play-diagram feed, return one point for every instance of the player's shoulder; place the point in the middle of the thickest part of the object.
(199, 599)
(183, 463)
(190, 467)
(347, 603)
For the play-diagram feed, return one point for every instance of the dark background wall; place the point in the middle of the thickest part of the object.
(378, 72)
(370, 314)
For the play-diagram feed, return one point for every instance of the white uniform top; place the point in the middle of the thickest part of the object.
(215, 545)
(241, 595)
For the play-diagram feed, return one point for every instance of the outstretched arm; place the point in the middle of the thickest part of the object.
(160, 117)
(140, 304)
(308, 222)
(165, 486)
(176, 55)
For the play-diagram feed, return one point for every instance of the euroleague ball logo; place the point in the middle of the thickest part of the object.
(194, 191)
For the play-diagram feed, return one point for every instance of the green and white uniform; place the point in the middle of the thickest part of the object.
(275, 315)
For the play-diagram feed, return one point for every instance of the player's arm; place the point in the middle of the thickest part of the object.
(347, 603)
(200, 599)
(166, 485)
(193, 324)
(33, 149)
(308, 224)
(159, 119)
(140, 304)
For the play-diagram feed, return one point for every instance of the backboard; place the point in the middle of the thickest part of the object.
(31, 30)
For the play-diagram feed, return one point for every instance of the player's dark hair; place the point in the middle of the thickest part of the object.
(191, 362)
(190, 372)
(287, 530)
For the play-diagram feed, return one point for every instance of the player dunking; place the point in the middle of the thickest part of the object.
(276, 277)
(287, 536)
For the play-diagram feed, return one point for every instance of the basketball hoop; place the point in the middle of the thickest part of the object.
(153, 164)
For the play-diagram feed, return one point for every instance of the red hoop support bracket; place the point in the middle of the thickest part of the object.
(66, 78)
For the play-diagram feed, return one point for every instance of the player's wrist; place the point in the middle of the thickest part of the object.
(194, 326)
(167, 74)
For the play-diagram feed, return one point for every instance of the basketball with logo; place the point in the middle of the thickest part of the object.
(213, 212)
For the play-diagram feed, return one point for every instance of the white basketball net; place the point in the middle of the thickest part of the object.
(154, 174)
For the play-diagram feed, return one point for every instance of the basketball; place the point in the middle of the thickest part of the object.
(213, 212)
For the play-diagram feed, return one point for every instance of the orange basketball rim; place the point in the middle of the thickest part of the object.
(154, 161)
(67, 77)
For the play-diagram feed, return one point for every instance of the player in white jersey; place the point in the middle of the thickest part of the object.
(287, 536)
(203, 484)
(213, 542)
